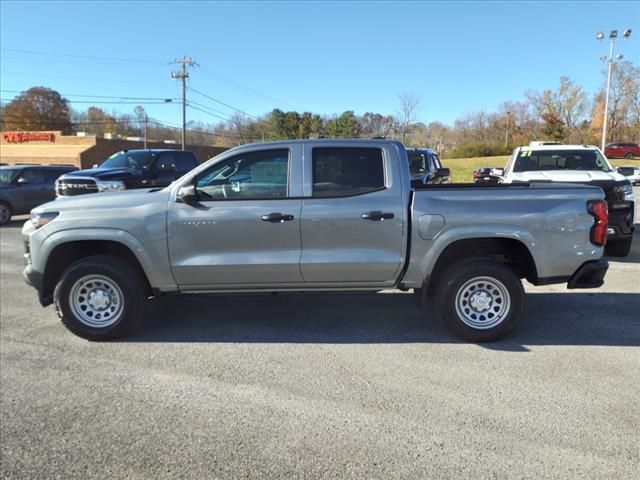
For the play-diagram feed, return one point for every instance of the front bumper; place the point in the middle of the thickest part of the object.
(589, 275)
(621, 223)
(36, 279)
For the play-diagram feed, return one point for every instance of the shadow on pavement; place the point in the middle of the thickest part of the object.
(550, 319)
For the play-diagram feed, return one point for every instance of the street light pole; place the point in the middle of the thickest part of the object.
(612, 35)
(606, 101)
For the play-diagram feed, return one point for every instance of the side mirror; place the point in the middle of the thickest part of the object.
(22, 180)
(95, 165)
(626, 171)
(188, 195)
(497, 171)
(443, 172)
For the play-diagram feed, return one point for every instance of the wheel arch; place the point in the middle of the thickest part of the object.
(64, 254)
(509, 251)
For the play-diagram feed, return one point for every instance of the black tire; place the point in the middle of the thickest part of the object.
(503, 288)
(129, 306)
(618, 248)
(6, 213)
(629, 156)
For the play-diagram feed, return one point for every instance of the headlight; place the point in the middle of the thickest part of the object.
(110, 186)
(41, 219)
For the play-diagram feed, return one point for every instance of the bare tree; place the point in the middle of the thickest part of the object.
(408, 112)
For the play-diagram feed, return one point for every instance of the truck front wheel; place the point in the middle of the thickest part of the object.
(479, 300)
(99, 297)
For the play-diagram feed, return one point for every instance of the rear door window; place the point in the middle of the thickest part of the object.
(343, 171)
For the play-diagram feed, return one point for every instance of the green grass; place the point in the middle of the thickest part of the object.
(462, 168)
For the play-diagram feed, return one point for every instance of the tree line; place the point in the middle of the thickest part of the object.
(565, 113)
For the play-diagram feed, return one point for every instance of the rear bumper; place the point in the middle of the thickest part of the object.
(589, 275)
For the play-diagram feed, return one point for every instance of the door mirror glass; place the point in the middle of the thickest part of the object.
(443, 172)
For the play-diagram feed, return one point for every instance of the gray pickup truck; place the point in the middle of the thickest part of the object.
(314, 215)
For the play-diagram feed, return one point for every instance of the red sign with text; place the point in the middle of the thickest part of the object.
(21, 137)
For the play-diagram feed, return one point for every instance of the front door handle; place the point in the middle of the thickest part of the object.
(277, 217)
(377, 215)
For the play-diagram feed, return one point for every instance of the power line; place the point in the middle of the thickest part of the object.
(251, 90)
(221, 102)
(99, 96)
(205, 109)
(87, 57)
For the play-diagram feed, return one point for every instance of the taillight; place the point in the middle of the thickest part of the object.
(600, 212)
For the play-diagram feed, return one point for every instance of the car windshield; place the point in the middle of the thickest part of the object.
(417, 163)
(537, 160)
(139, 160)
(7, 175)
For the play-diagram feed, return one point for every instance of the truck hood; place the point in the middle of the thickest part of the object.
(125, 199)
(106, 173)
(573, 176)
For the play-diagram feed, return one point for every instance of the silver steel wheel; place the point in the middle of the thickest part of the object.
(483, 302)
(5, 214)
(96, 301)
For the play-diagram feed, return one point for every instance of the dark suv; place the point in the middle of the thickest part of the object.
(425, 167)
(129, 169)
(24, 187)
(622, 149)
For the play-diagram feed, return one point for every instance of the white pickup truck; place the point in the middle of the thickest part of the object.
(582, 164)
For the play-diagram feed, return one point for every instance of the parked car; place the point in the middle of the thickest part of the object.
(622, 149)
(129, 169)
(485, 175)
(580, 164)
(631, 172)
(314, 215)
(425, 167)
(24, 187)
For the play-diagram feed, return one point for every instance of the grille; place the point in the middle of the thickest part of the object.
(75, 186)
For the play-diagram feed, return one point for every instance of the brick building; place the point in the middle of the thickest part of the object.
(53, 148)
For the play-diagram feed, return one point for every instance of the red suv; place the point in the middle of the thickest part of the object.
(621, 149)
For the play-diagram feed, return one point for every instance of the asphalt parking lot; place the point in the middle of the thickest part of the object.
(322, 386)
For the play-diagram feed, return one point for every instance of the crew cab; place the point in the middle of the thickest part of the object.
(129, 169)
(584, 164)
(310, 216)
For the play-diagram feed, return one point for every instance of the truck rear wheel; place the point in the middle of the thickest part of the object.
(99, 297)
(479, 300)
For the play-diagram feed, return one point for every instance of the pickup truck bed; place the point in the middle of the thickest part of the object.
(322, 215)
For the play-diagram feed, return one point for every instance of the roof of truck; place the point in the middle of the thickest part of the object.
(559, 147)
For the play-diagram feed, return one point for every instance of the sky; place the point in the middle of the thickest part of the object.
(323, 57)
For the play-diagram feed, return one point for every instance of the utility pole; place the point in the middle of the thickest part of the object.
(182, 74)
(146, 120)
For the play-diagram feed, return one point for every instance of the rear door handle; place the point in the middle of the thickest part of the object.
(377, 215)
(277, 217)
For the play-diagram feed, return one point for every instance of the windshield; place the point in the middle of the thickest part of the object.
(139, 160)
(417, 163)
(532, 160)
(7, 175)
